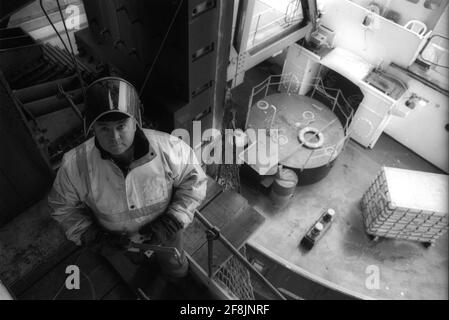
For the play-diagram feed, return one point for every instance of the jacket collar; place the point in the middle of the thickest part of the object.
(143, 151)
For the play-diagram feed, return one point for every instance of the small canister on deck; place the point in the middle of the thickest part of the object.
(283, 187)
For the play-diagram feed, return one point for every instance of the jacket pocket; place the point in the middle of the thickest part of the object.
(155, 190)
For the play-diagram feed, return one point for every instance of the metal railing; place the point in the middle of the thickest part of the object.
(214, 234)
(289, 83)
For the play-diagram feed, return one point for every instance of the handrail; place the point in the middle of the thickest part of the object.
(290, 80)
(228, 245)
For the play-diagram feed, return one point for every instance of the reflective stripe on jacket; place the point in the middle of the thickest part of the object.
(167, 179)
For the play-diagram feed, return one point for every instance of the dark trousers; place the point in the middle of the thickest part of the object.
(127, 264)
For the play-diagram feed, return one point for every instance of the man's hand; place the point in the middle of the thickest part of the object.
(90, 236)
(162, 229)
(101, 241)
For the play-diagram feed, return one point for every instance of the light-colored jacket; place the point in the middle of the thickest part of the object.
(168, 179)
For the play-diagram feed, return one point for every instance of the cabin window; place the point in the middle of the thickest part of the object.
(435, 53)
(272, 17)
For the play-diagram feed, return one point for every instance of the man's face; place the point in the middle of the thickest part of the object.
(115, 137)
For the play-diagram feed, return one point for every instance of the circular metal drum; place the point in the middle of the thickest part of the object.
(310, 136)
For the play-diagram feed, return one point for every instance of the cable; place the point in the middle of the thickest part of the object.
(72, 51)
(62, 41)
(51, 23)
(160, 48)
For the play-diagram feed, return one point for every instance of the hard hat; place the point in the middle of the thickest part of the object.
(108, 95)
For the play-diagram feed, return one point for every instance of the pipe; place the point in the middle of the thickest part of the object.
(62, 67)
(50, 55)
(238, 255)
(51, 58)
(62, 57)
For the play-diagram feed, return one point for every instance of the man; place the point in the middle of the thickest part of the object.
(126, 180)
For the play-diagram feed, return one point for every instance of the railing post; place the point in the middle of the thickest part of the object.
(237, 254)
(211, 235)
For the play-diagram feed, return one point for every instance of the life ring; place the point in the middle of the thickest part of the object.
(312, 145)
(308, 115)
(263, 105)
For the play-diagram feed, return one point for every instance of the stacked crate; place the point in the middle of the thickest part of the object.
(406, 204)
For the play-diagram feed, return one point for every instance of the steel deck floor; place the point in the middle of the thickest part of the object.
(343, 258)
